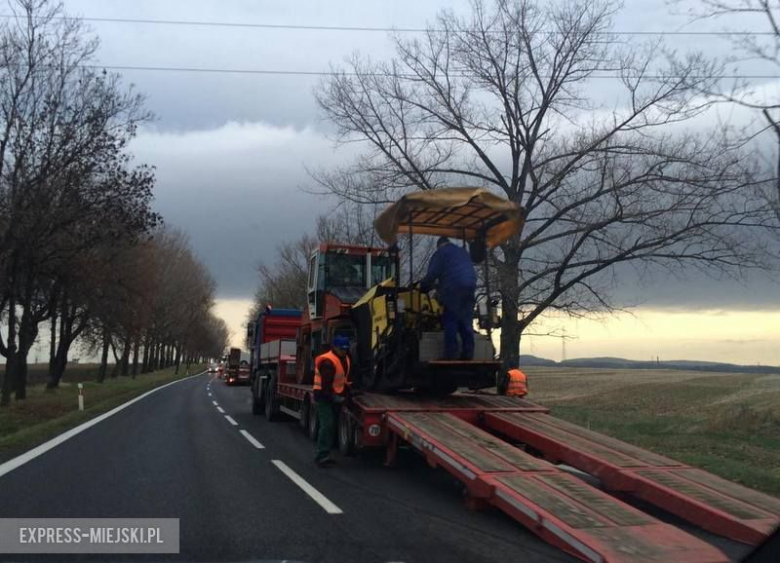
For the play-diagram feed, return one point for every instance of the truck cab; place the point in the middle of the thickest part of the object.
(339, 276)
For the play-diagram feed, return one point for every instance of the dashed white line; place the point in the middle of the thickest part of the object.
(230, 420)
(316, 496)
(221, 410)
(215, 403)
(252, 440)
(209, 394)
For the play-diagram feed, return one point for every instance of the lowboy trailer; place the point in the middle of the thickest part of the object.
(481, 439)
(506, 451)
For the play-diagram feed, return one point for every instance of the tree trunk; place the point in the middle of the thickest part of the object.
(511, 325)
(63, 347)
(28, 332)
(9, 378)
(117, 361)
(178, 358)
(104, 357)
(52, 339)
(136, 352)
(126, 358)
(145, 361)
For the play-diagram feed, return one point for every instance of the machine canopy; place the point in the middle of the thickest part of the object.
(461, 213)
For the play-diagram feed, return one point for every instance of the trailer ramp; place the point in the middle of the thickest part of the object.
(558, 507)
(715, 504)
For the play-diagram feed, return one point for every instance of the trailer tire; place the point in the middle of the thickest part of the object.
(312, 426)
(306, 412)
(257, 396)
(346, 438)
(271, 403)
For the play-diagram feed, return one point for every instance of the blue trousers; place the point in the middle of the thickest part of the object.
(458, 318)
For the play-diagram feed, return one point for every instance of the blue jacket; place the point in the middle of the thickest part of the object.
(451, 265)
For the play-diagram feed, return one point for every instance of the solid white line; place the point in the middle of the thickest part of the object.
(215, 403)
(252, 440)
(317, 496)
(18, 461)
(230, 420)
(221, 410)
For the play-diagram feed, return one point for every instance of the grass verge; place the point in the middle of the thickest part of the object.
(48, 413)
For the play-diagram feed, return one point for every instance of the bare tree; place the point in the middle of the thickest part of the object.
(66, 183)
(539, 101)
(752, 28)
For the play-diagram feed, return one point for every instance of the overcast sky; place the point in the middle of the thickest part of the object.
(231, 149)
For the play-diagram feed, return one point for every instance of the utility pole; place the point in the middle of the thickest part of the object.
(563, 345)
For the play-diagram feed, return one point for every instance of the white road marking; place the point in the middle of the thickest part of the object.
(221, 410)
(230, 420)
(18, 461)
(252, 440)
(316, 496)
(209, 394)
(215, 403)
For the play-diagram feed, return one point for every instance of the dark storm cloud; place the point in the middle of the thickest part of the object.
(238, 191)
(230, 150)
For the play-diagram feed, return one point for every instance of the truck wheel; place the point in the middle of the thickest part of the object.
(346, 434)
(357, 433)
(313, 426)
(271, 406)
(305, 414)
(257, 403)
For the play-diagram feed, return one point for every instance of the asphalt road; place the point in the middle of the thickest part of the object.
(174, 455)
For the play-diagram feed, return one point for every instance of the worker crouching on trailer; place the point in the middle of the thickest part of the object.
(457, 284)
(331, 371)
(513, 383)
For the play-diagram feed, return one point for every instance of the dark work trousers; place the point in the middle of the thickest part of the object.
(326, 433)
(458, 318)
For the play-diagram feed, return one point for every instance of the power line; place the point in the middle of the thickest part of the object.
(200, 23)
(278, 72)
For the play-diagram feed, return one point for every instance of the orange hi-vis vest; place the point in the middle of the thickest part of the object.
(339, 380)
(518, 384)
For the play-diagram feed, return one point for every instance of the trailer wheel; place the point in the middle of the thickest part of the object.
(305, 414)
(257, 397)
(313, 427)
(346, 436)
(271, 406)
(357, 432)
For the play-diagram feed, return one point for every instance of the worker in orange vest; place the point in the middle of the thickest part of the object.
(514, 383)
(331, 370)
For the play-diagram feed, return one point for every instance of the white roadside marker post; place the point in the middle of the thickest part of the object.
(81, 396)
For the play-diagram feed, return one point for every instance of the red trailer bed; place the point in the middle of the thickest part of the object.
(454, 433)
(710, 502)
(558, 507)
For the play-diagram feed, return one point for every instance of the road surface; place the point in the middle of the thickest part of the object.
(175, 455)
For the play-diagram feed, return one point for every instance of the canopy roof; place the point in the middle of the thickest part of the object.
(464, 213)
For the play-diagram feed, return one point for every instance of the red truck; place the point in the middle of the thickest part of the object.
(273, 343)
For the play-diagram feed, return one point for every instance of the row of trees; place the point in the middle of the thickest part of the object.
(605, 142)
(153, 310)
(81, 250)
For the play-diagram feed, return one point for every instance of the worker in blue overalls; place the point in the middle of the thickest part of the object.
(452, 268)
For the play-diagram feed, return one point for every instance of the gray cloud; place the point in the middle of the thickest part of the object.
(230, 150)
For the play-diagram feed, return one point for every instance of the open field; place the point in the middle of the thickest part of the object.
(726, 423)
(47, 413)
(75, 373)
